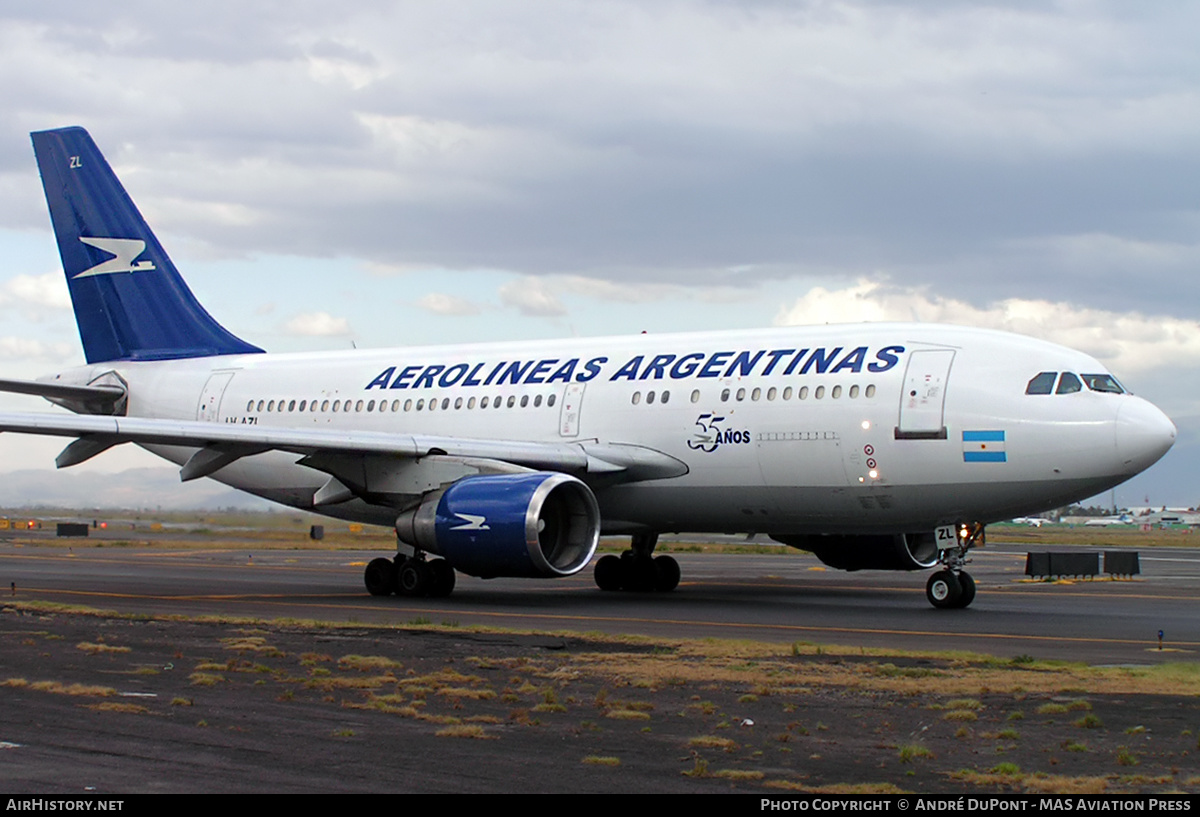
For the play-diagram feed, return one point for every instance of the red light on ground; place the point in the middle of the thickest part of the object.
(104, 524)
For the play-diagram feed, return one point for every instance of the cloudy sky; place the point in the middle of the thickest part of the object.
(396, 173)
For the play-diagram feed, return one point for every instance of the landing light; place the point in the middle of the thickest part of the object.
(866, 425)
(873, 474)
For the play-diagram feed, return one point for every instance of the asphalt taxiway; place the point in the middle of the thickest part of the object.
(782, 597)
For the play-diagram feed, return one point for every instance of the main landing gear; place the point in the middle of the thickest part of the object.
(952, 588)
(638, 569)
(409, 576)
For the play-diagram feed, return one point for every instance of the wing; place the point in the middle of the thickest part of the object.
(351, 458)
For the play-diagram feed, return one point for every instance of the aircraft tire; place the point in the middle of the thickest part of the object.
(380, 577)
(943, 590)
(413, 578)
(640, 573)
(667, 574)
(607, 572)
(442, 578)
(968, 590)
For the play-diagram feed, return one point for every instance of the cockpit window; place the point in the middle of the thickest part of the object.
(1042, 383)
(1068, 384)
(1103, 382)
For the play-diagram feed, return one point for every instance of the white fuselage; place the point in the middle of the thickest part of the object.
(850, 428)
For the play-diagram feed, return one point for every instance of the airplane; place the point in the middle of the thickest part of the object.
(883, 446)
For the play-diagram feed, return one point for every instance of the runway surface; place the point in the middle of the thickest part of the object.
(785, 597)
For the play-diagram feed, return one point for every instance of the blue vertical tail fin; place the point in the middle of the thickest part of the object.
(130, 301)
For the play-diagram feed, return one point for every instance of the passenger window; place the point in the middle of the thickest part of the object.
(550, 401)
(1068, 384)
(695, 395)
(665, 396)
(1042, 383)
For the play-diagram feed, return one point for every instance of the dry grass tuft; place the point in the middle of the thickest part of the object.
(626, 715)
(205, 679)
(464, 730)
(117, 706)
(368, 663)
(713, 742)
(83, 690)
(97, 649)
(737, 774)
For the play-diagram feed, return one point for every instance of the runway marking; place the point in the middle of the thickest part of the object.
(271, 600)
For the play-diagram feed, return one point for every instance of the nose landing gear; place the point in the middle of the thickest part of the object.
(952, 588)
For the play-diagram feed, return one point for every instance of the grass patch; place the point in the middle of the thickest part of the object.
(738, 774)
(914, 751)
(713, 742)
(80, 690)
(626, 715)
(963, 715)
(368, 663)
(464, 730)
(118, 706)
(598, 760)
(99, 649)
(205, 679)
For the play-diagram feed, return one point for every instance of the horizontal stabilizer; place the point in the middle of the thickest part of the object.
(96, 394)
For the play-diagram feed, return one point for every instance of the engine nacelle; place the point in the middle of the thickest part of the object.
(901, 551)
(535, 525)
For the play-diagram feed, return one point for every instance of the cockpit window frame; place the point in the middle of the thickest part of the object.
(1042, 383)
(1073, 385)
(1103, 383)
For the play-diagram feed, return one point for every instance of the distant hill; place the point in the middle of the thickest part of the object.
(148, 488)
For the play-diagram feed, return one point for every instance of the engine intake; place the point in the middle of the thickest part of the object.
(535, 525)
(900, 551)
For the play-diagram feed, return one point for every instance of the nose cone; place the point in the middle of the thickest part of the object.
(1144, 434)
